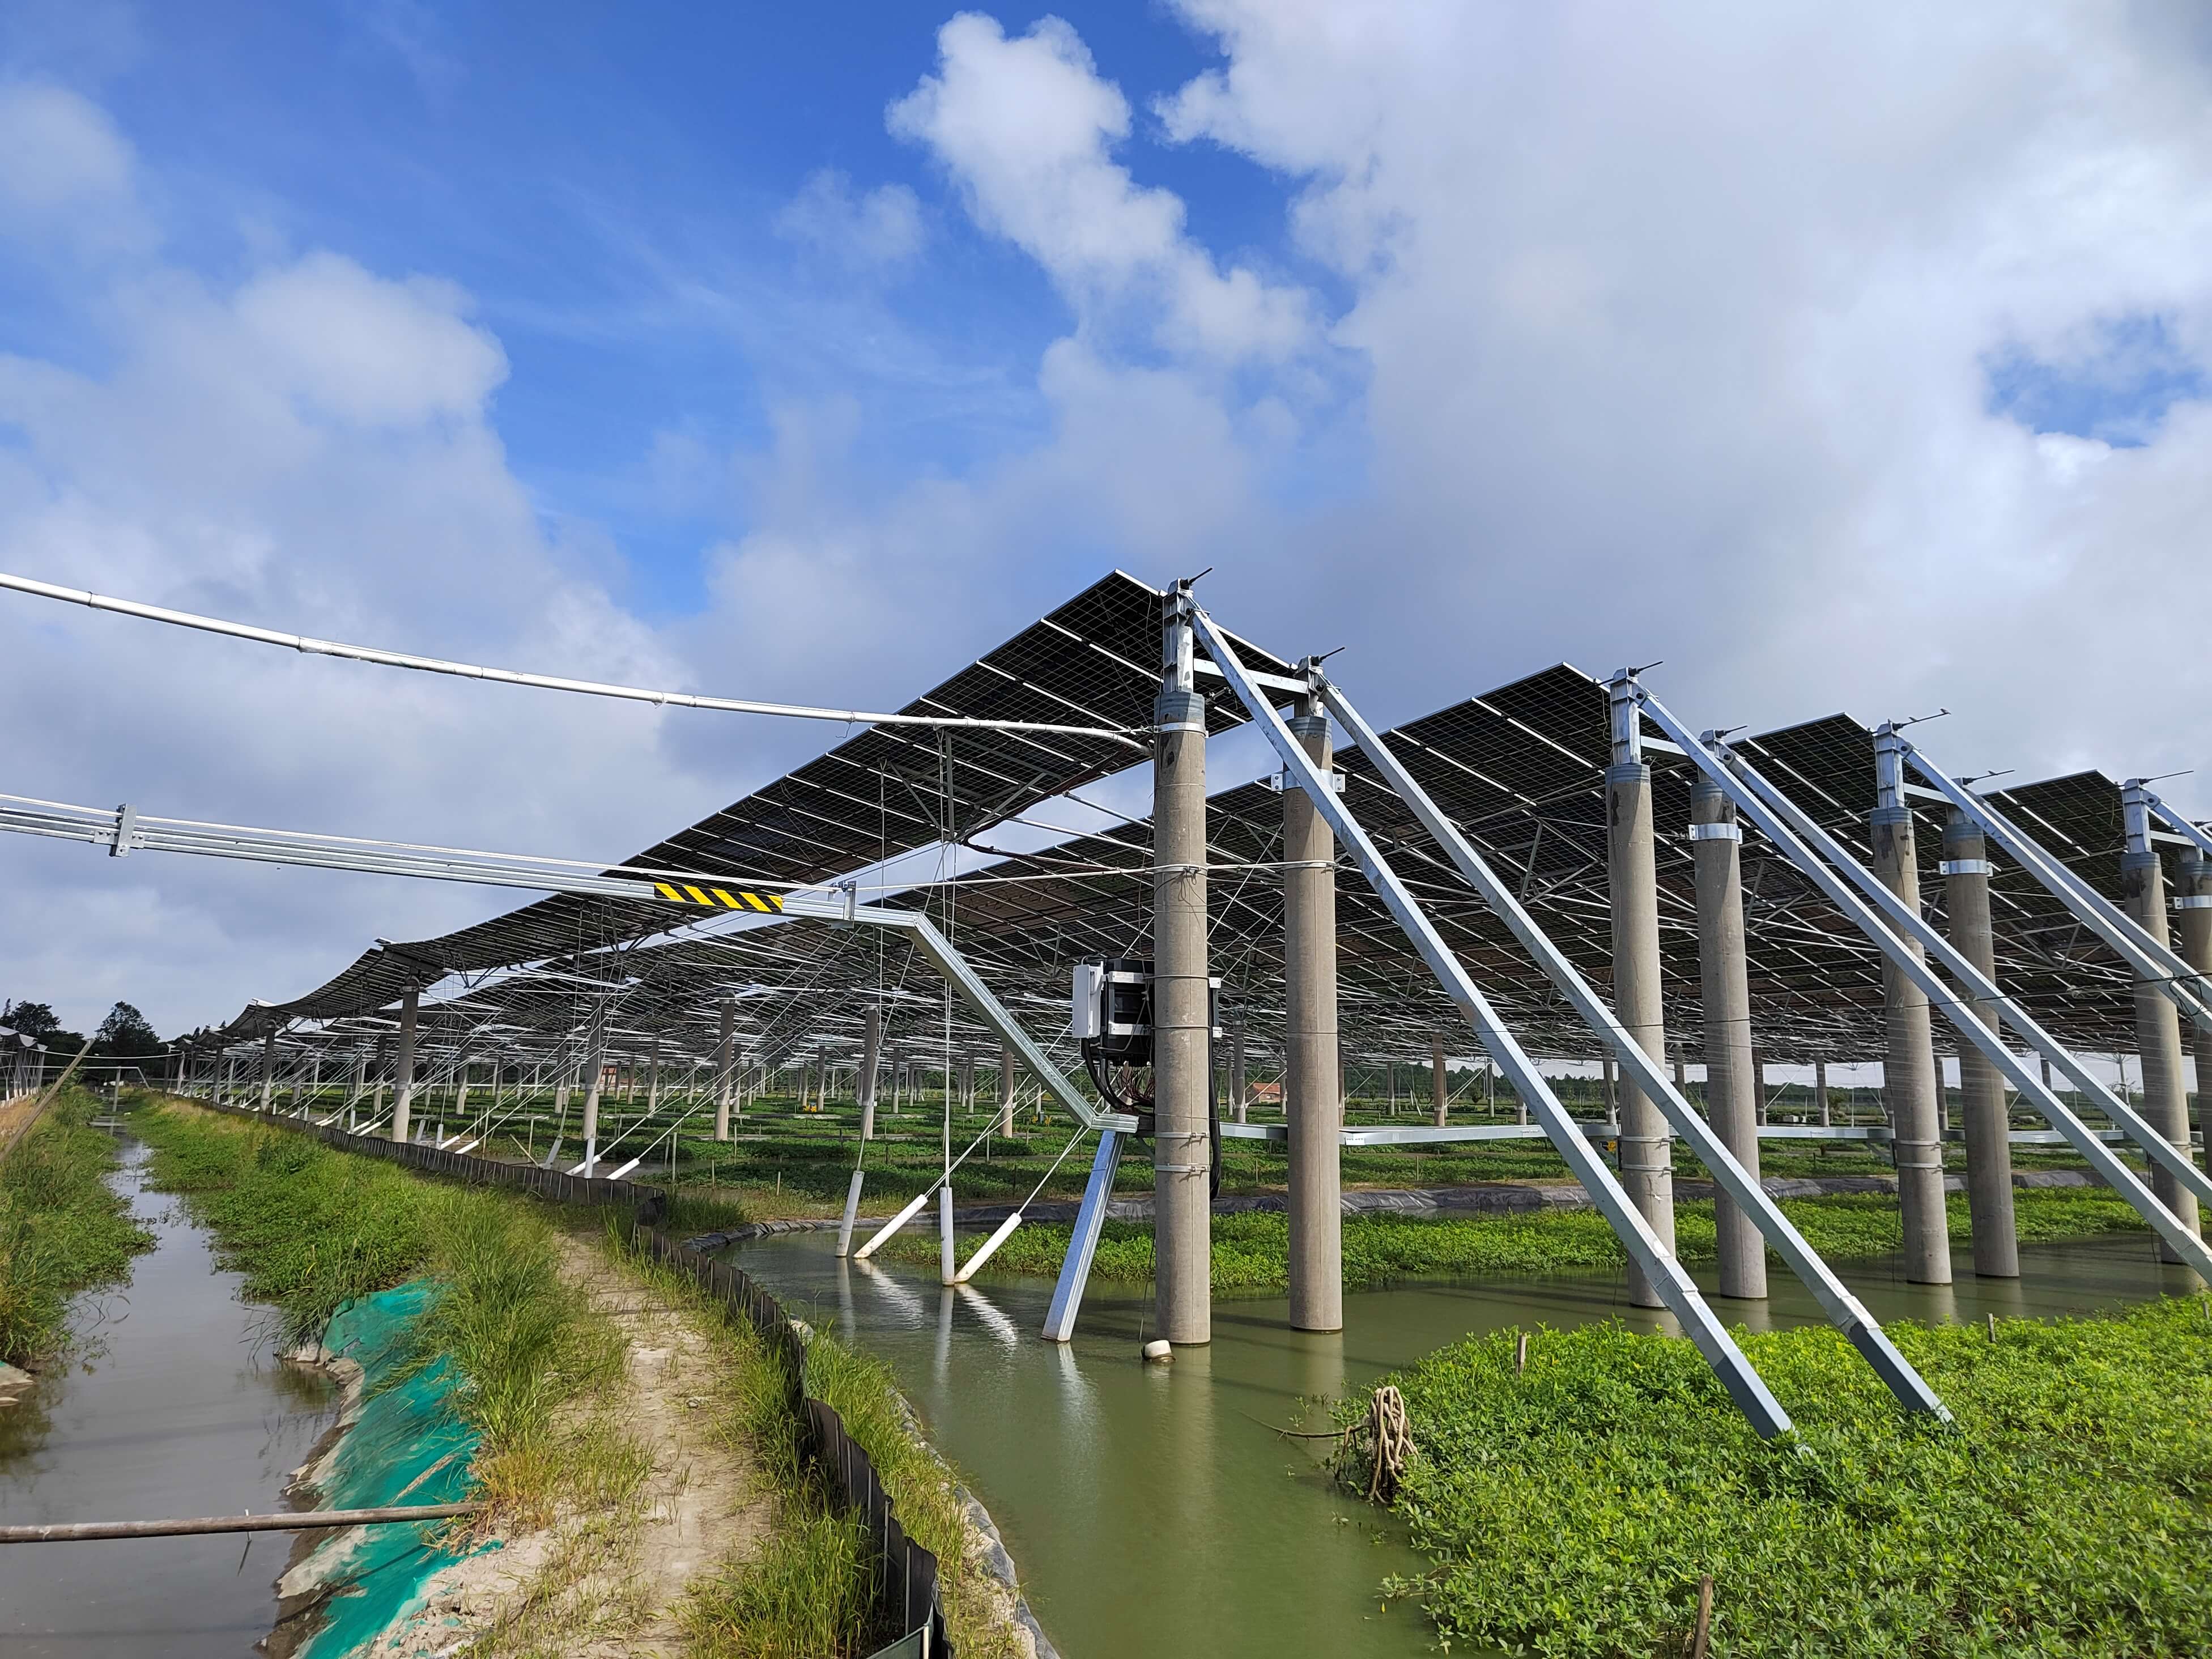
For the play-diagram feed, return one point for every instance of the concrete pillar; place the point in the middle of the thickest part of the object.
(1182, 1058)
(1759, 1087)
(461, 1094)
(1439, 1081)
(2158, 1022)
(1312, 1075)
(403, 1068)
(872, 1061)
(1611, 1093)
(269, 1069)
(1239, 1088)
(1006, 1088)
(652, 1080)
(1632, 878)
(725, 1064)
(2194, 905)
(598, 1064)
(1724, 985)
(1908, 1077)
(1820, 1094)
(1981, 1086)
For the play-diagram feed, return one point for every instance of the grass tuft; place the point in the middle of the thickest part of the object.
(62, 1228)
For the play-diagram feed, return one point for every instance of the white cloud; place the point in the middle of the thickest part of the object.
(1026, 128)
(57, 148)
(880, 229)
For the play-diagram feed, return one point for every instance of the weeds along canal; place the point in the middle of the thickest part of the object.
(1154, 1509)
(173, 1404)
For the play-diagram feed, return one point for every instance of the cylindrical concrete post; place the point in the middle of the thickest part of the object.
(1724, 985)
(725, 1064)
(1312, 1078)
(1239, 1086)
(1908, 1072)
(872, 1059)
(1006, 1089)
(2158, 1036)
(2194, 904)
(1439, 1081)
(269, 1069)
(1759, 1087)
(1820, 1094)
(592, 1086)
(1983, 1116)
(1611, 1092)
(403, 1068)
(1182, 1057)
(1646, 1147)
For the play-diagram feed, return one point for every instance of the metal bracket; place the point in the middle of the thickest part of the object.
(1716, 832)
(126, 831)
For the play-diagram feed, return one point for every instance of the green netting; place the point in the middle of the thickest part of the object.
(409, 1445)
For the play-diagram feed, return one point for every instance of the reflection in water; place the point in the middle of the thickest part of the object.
(1154, 1509)
(177, 1411)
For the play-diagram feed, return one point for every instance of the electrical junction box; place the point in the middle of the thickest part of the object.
(1085, 1016)
(1112, 1009)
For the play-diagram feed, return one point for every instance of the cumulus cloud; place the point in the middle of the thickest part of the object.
(879, 229)
(1027, 128)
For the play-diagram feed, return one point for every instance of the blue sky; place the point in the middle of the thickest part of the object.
(606, 184)
(1829, 355)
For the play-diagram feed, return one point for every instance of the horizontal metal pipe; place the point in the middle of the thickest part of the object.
(63, 1532)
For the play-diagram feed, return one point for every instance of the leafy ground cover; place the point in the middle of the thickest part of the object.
(1251, 1251)
(62, 1228)
(1571, 1509)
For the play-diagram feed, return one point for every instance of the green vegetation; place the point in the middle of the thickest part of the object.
(804, 1594)
(1251, 1250)
(1571, 1510)
(62, 1228)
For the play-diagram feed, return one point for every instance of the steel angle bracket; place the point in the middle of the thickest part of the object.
(1674, 1286)
(1888, 923)
(1844, 1310)
(2182, 985)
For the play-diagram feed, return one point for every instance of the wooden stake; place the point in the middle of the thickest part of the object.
(1521, 1355)
(1703, 1637)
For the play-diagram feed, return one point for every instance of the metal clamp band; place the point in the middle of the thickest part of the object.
(2194, 901)
(1966, 867)
(1180, 1169)
(1716, 832)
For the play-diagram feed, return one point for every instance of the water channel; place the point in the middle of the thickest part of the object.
(1153, 1510)
(175, 1405)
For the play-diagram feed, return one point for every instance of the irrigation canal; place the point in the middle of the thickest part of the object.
(1153, 1511)
(176, 1406)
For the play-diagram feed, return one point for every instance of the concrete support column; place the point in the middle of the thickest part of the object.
(1183, 1034)
(871, 1065)
(1610, 1092)
(403, 1068)
(1239, 1088)
(598, 1064)
(1724, 983)
(1006, 1089)
(1908, 1077)
(461, 1093)
(1759, 1088)
(2193, 904)
(1981, 1110)
(725, 1064)
(1439, 1082)
(269, 1069)
(652, 1080)
(1632, 878)
(1312, 1075)
(1820, 1094)
(2158, 1022)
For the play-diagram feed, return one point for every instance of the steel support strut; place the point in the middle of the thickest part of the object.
(1842, 1308)
(1879, 912)
(1644, 1248)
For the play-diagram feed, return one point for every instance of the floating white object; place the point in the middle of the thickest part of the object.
(1159, 1351)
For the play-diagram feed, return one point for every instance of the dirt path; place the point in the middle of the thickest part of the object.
(606, 1580)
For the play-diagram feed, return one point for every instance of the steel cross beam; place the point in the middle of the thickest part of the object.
(1805, 844)
(2180, 825)
(1675, 1288)
(2182, 985)
(1844, 1310)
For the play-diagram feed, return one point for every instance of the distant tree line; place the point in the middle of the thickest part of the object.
(125, 1034)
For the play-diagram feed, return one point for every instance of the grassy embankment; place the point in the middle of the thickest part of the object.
(1571, 1510)
(62, 1228)
(1251, 1251)
(310, 1226)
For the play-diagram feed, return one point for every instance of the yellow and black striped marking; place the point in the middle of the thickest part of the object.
(719, 898)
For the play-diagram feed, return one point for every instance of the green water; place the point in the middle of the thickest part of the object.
(1153, 1510)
